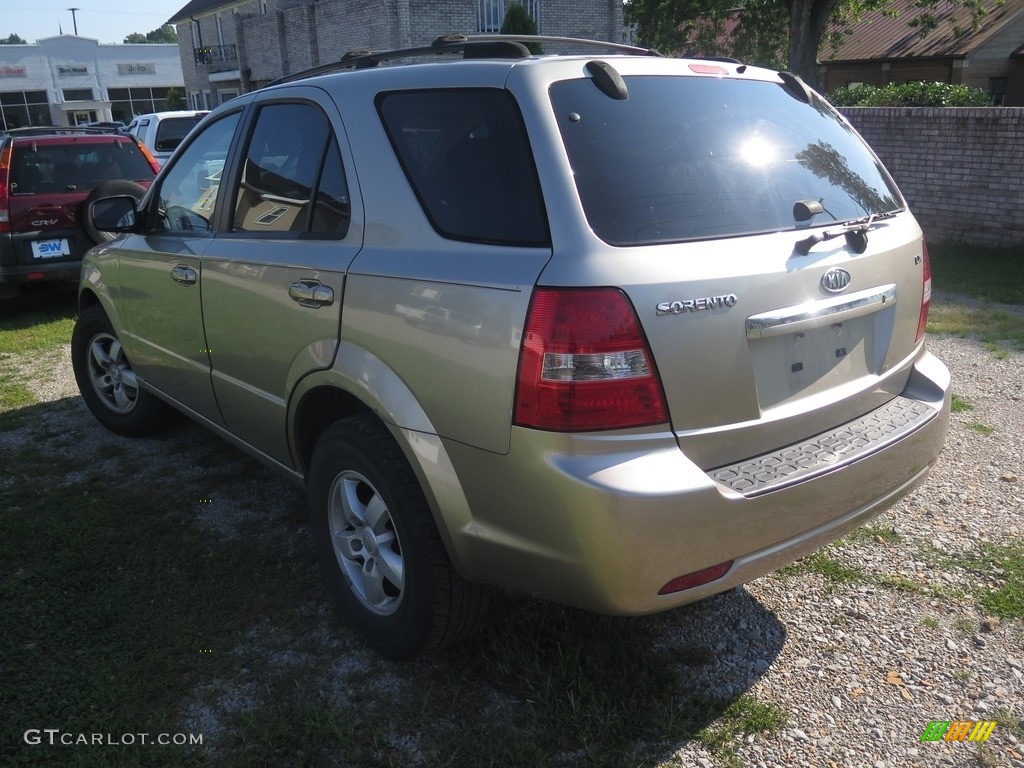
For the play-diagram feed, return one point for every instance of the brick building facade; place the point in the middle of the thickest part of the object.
(228, 48)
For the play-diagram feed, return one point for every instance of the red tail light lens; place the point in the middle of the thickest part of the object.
(926, 292)
(585, 365)
(5, 179)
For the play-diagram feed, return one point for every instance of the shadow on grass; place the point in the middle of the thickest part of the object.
(168, 586)
(39, 303)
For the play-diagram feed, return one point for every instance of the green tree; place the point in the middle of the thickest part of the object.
(13, 39)
(518, 21)
(165, 34)
(786, 33)
(174, 99)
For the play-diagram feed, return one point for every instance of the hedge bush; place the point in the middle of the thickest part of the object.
(910, 95)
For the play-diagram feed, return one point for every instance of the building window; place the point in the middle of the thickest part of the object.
(220, 31)
(263, 7)
(490, 14)
(533, 8)
(20, 109)
(77, 94)
(997, 90)
(195, 33)
(125, 103)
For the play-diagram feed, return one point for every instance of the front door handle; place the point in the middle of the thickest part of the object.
(311, 293)
(183, 275)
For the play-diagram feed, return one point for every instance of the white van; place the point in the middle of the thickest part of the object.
(162, 132)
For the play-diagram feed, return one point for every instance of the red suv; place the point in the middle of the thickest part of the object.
(47, 177)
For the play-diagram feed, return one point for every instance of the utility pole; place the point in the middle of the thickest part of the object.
(74, 18)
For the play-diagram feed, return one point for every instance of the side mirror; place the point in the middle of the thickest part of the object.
(113, 214)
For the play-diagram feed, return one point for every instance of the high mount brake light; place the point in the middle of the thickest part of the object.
(585, 365)
(926, 292)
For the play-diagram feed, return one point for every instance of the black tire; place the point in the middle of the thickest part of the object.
(111, 188)
(379, 547)
(107, 382)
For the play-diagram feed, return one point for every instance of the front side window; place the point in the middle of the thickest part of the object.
(188, 191)
(690, 158)
(467, 157)
(293, 180)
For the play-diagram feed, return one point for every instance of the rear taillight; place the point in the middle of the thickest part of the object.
(926, 292)
(153, 162)
(5, 178)
(585, 365)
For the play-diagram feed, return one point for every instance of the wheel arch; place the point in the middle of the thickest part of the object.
(361, 383)
(98, 283)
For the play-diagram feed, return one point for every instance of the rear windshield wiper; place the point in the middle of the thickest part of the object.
(856, 232)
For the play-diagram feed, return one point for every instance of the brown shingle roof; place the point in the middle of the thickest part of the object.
(881, 37)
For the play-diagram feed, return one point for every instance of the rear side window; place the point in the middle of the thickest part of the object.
(466, 155)
(43, 168)
(689, 158)
(293, 180)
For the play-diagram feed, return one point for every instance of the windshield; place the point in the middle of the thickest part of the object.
(687, 158)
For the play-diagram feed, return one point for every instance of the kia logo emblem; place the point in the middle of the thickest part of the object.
(835, 281)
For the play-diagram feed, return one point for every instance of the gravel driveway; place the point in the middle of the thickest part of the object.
(861, 664)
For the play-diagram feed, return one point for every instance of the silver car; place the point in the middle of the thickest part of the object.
(616, 330)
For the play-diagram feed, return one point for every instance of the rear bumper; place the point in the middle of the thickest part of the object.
(603, 522)
(17, 267)
(64, 271)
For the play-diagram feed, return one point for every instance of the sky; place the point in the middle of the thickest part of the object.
(108, 21)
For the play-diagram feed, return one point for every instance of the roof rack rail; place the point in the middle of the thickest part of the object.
(49, 130)
(470, 46)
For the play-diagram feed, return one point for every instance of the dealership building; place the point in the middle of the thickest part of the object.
(68, 80)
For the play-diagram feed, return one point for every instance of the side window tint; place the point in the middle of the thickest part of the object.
(188, 192)
(332, 211)
(466, 155)
(293, 179)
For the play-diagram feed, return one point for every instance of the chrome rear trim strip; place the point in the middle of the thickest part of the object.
(815, 313)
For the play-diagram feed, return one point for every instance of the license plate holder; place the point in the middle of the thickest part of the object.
(51, 249)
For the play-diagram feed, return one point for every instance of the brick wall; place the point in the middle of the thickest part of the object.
(961, 169)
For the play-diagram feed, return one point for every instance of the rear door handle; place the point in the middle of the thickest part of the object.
(311, 293)
(183, 275)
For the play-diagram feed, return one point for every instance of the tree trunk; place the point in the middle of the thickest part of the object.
(807, 20)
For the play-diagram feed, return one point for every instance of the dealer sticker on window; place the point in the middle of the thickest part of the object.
(50, 249)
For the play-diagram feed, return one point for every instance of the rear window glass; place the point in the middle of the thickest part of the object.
(40, 168)
(687, 158)
(171, 130)
(466, 156)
